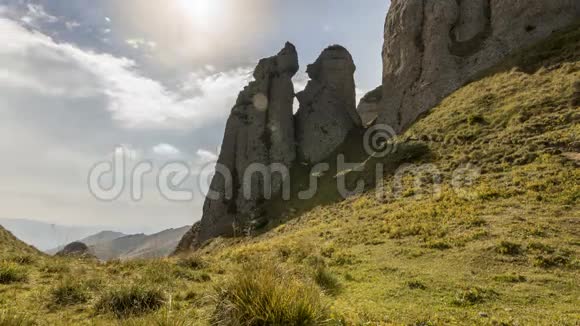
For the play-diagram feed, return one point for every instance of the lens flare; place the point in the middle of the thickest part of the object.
(202, 12)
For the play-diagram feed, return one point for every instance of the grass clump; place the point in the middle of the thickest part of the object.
(132, 300)
(510, 278)
(260, 295)
(326, 280)
(12, 273)
(69, 293)
(472, 296)
(194, 262)
(551, 261)
(416, 285)
(439, 245)
(509, 248)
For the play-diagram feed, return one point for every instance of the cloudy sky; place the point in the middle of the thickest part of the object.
(80, 78)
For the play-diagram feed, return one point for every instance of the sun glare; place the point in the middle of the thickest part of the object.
(202, 12)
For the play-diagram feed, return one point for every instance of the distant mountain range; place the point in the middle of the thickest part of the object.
(108, 245)
(45, 236)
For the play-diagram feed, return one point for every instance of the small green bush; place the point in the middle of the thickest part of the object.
(132, 300)
(509, 248)
(326, 280)
(472, 296)
(551, 261)
(538, 246)
(192, 262)
(69, 293)
(263, 295)
(416, 285)
(12, 273)
(439, 245)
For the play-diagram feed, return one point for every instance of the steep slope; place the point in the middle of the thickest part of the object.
(10, 245)
(139, 246)
(157, 245)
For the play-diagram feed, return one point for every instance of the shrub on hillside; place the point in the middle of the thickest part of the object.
(69, 293)
(192, 262)
(472, 296)
(509, 248)
(12, 273)
(130, 300)
(260, 295)
(326, 280)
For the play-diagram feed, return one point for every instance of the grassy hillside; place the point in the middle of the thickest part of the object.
(11, 246)
(499, 249)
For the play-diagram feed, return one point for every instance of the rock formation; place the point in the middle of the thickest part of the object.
(260, 130)
(433, 47)
(327, 110)
(75, 249)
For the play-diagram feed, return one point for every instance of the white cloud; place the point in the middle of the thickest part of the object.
(166, 150)
(139, 43)
(206, 156)
(133, 100)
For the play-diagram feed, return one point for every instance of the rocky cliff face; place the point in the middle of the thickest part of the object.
(433, 47)
(327, 106)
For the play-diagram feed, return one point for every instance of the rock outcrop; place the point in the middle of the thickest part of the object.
(75, 249)
(369, 106)
(259, 133)
(327, 110)
(433, 47)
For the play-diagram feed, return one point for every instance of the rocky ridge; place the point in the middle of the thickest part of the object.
(433, 47)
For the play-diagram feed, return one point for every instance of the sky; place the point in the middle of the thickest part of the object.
(81, 79)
